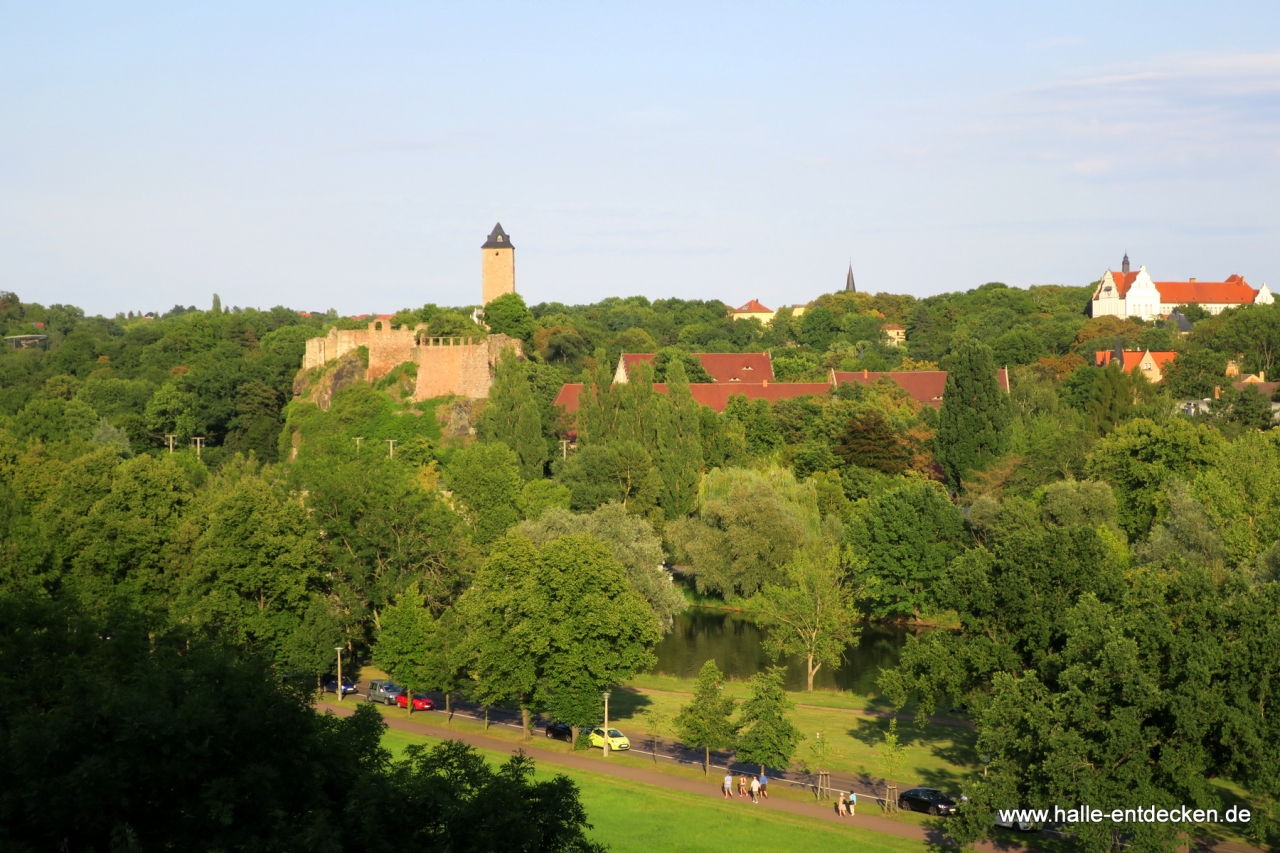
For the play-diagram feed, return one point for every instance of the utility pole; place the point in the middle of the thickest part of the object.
(338, 649)
(198, 442)
(171, 438)
(606, 723)
(564, 448)
(359, 438)
(391, 454)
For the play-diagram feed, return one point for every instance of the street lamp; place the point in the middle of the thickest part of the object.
(338, 649)
(985, 759)
(606, 723)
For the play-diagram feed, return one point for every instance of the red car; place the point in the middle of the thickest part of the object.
(421, 702)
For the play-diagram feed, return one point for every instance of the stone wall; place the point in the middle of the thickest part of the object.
(462, 366)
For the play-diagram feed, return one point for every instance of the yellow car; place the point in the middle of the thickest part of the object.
(617, 740)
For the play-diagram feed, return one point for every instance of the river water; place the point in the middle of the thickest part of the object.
(734, 641)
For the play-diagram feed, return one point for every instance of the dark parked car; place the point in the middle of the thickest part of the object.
(560, 731)
(330, 685)
(383, 691)
(929, 800)
(421, 702)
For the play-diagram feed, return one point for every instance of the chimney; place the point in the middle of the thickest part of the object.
(765, 384)
(864, 373)
(1217, 392)
(1262, 376)
(1193, 281)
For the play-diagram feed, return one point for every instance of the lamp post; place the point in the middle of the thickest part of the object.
(985, 759)
(338, 649)
(606, 723)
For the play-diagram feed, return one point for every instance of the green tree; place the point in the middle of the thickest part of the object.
(706, 721)
(679, 451)
(974, 420)
(485, 479)
(513, 416)
(401, 648)
(767, 736)
(870, 442)
(907, 537)
(620, 471)
(1253, 410)
(538, 496)
(890, 753)
(508, 315)
(813, 614)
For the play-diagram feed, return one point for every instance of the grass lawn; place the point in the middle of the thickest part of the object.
(631, 816)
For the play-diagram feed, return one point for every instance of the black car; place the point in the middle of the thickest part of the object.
(330, 685)
(560, 731)
(929, 800)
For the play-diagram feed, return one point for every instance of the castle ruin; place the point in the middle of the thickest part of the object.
(446, 365)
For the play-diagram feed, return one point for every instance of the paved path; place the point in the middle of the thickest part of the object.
(691, 786)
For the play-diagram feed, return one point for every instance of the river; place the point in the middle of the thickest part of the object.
(734, 641)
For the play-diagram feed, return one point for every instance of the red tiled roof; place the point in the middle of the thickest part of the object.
(1132, 358)
(372, 316)
(714, 395)
(924, 386)
(892, 327)
(1123, 280)
(732, 367)
(753, 307)
(1234, 291)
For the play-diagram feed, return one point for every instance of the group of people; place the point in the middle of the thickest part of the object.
(848, 804)
(758, 787)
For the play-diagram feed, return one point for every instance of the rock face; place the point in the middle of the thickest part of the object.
(459, 366)
(320, 389)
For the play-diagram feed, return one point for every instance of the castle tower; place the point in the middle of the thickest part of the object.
(497, 265)
(1124, 265)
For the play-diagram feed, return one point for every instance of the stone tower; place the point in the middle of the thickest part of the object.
(497, 265)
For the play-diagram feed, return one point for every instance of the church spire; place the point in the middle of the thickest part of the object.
(848, 281)
(1124, 265)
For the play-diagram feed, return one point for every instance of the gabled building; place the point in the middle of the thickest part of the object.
(1136, 294)
(895, 334)
(1153, 365)
(753, 310)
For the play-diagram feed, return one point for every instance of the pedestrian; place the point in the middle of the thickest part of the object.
(853, 802)
(742, 785)
(728, 786)
(764, 784)
(841, 808)
(755, 790)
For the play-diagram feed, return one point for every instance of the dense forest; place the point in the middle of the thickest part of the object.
(1107, 569)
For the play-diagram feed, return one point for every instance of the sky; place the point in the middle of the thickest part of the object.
(355, 156)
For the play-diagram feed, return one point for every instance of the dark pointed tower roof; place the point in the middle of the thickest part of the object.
(1124, 265)
(848, 280)
(498, 239)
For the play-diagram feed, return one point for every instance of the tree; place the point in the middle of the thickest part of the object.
(632, 542)
(513, 416)
(870, 442)
(507, 315)
(749, 525)
(1193, 375)
(907, 537)
(890, 754)
(485, 478)
(679, 452)
(705, 722)
(766, 734)
(813, 614)
(402, 645)
(557, 621)
(1253, 410)
(620, 471)
(973, 423)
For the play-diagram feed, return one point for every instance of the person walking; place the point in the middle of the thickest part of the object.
(764, 784)
(742, 786)
(755, 790)
(853, 802)
(728, 786)
(841, 808)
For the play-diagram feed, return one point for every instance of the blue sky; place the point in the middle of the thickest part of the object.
(355, 156)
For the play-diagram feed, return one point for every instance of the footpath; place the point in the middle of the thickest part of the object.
(929, 835)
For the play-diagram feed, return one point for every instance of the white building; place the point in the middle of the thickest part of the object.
(1135, 294)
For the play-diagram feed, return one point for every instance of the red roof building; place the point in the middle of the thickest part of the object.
(924, 386)
(716, 395)
(1136, 294)
(1152, 364)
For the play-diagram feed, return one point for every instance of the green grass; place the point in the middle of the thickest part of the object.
(632, 816)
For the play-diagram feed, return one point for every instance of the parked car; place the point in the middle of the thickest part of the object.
(421, 702)
(330, 685)
(617, 740)
(560, 731)
(929, 800)
(382, 691)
